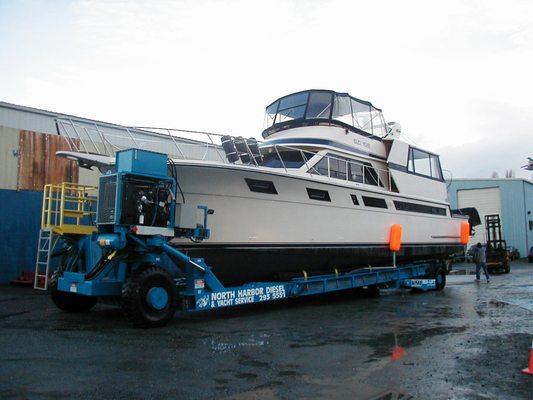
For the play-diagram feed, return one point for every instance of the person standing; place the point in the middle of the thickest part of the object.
(480, 258)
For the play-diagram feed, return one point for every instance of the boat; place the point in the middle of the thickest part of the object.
(318, 194)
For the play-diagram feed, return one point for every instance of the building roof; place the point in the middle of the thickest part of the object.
(490, 180)
(30, 118)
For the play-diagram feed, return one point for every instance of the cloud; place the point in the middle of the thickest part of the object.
(503, 141)
(445, 70)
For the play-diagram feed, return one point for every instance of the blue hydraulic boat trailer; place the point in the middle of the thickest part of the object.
(127, 259)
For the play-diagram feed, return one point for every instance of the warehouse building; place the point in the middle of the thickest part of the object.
(29, 139)
(511, 198)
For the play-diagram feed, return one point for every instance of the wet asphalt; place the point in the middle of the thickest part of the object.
(469, 341)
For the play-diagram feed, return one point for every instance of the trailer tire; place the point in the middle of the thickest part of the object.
(440, 278)
(70, 302)
(149, 297)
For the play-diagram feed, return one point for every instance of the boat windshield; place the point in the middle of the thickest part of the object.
(323, 105)
(285, 158)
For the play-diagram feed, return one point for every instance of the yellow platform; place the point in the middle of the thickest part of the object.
(69, 208)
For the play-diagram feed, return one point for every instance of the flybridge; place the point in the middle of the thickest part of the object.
(313, 107)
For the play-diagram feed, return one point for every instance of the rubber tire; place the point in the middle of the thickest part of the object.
(442, 273)
(70, 302)
(135, 305)
(507, 268)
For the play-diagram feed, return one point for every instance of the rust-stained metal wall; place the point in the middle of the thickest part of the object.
(38, 163)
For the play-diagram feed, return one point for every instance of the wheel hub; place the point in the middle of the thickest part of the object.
(157, 297)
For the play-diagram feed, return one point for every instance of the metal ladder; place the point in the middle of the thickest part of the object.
(45, 246)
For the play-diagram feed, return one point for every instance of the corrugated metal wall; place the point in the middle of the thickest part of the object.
(9, 149)
(25, 118)
(516, 201)
(528, 209)
(19, 231)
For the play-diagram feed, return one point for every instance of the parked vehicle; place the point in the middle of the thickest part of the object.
(530, 255)
(513, 252)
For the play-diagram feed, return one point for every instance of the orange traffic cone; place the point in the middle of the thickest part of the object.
(397, 351)
(529, 369)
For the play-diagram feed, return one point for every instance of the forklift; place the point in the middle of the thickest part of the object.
(497, 255)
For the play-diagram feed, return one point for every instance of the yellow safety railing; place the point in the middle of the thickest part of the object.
(69, 208)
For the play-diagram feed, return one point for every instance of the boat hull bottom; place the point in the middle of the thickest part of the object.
(236, 265)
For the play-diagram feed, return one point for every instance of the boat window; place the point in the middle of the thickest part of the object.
(421, 208)
(354, 199)
(319, 105)
(435, 167)
(260, 186)
(421, 161)
(360, 172)
(270, 114)
(355, 172)
(374, 202)
(321, 167)
(317, 194)
(342, 109)
(361, 116)
(291, 159)
(424, 163)
(410, 162)
(337, 168)
(291, 107)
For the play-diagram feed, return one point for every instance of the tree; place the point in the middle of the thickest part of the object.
(494, 175)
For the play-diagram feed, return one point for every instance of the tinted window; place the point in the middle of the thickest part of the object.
(294, 100)
(292, 107)
(354, 199)
(317, 194)
(319, 105)
(374, 202)
(321, 167)
(291, 159)
(421, 208)
(290, 114)
(410, 163)
(259, 186)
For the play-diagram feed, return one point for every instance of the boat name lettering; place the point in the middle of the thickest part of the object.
(359, 142)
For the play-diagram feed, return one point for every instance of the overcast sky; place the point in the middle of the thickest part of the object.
(458, 75)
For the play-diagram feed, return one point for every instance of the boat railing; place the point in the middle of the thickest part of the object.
(107, 139)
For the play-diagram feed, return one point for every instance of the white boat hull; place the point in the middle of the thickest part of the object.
(264, 236)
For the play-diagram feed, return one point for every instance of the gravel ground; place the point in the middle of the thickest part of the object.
(469, 341)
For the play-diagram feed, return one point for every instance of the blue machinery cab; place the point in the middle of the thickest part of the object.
(127, 259)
